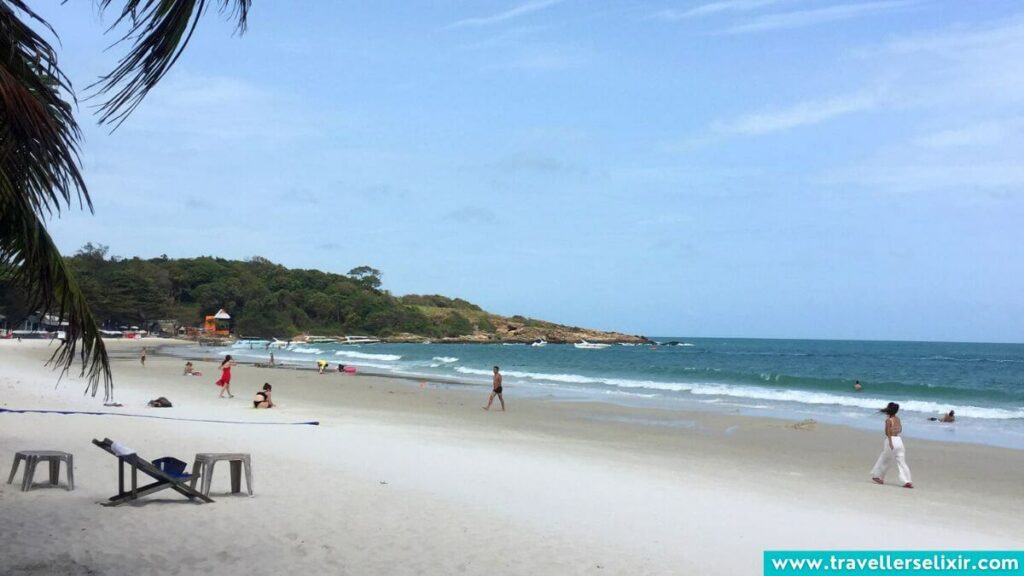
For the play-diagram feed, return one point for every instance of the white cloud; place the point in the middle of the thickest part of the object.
(959, 92)
(907, 175)
(715, 8)
(802, 114)
(985, 133)
(815, 16)
(514, 12)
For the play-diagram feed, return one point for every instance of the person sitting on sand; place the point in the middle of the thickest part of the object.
(190, 371)
(947, 419)
(262, 399)
(496, 391)
(341, 367)
(321, 365)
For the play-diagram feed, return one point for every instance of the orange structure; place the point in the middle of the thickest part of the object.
(218, 324)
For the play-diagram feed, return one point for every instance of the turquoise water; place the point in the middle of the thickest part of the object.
(983, 383)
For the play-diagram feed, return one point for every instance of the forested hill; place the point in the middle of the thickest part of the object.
(267, 299)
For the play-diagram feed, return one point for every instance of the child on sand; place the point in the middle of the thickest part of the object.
(142, 357)
(321, 365)
(225, 376)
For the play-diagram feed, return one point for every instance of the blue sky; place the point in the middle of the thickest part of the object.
(762, 168)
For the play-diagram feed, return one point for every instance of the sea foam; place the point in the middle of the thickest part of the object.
(365, 356)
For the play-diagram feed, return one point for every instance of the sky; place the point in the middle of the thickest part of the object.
(733, 168)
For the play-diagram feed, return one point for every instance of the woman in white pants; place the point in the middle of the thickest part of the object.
(892, 450)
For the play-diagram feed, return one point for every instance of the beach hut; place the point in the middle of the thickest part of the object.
(218, 324)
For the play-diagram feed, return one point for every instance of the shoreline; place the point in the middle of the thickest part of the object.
(919, 430)
(547, 487)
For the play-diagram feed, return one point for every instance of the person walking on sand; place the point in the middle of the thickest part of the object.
(496, 391)
(225, 376)
(142, 357)
(271, 358)
(892, 449)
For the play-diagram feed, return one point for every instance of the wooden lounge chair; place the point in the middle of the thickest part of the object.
(166, 477)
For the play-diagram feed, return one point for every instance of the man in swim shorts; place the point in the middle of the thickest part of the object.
(496, 391)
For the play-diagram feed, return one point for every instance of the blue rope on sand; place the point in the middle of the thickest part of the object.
(66, 412)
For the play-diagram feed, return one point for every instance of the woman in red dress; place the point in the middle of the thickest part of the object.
(225, 376)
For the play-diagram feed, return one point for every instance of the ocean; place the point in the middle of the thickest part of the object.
(793, 379)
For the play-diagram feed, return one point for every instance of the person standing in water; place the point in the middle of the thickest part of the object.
(225, 376)
(142, 357)
(496, 391)
(857, 387)
(892, 449)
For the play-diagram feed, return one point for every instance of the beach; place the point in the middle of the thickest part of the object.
(411, 477)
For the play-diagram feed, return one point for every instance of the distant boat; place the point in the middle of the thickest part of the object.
(251, 343)
(539, 342)
(584, 345)
(358, 340)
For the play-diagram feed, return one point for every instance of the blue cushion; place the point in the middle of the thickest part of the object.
(171, 466)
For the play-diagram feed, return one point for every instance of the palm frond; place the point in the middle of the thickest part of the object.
(159, 30)
(38, 133)
(39, 174)
(32, 262)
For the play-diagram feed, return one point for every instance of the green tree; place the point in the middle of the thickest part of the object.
(366, 276)
(39, 149)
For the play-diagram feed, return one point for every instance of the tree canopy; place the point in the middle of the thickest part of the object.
(264, 299)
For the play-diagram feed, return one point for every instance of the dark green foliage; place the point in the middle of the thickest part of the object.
(455, 324)
(263, 298)
(438, 301)
(485, 325)
(369, 277)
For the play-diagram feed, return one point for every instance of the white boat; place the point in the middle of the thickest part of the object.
(358, 340)
(251, 344)
(584, 345)
(539, 342)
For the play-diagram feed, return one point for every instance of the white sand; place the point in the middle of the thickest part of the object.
(403, 480)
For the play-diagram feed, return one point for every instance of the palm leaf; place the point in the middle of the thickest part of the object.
(159, 30)
(39, 174)
(39, 161)
(38, 133)
(33, 262)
